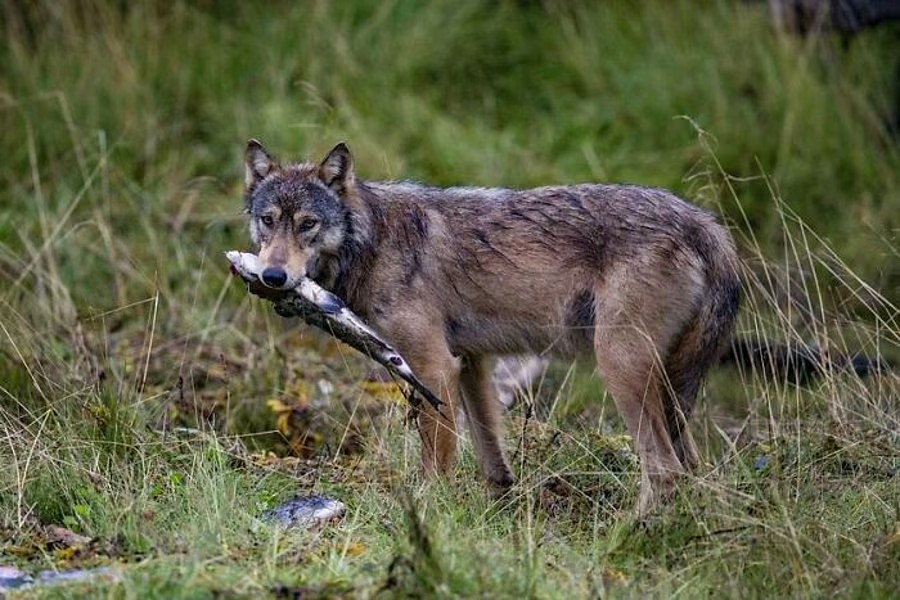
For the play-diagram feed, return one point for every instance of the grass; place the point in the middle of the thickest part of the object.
(122, 130)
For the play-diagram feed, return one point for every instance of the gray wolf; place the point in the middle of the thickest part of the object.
(640, 280)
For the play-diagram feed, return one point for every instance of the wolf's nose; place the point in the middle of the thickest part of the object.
(274, 277)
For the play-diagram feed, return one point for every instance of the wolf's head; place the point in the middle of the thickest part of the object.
(299, 216)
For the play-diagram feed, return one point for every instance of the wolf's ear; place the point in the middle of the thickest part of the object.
(257, 161)
(336, 169)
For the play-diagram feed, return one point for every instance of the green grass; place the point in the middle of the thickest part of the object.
(122, 131)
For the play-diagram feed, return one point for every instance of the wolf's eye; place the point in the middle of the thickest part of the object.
(267, 220)
(307, 224)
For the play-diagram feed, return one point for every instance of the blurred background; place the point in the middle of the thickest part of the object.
(123, 124)
(142, 109)
(122, 128)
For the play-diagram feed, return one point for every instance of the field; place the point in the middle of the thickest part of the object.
(150, 409)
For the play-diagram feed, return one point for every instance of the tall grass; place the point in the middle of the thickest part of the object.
(122, 127)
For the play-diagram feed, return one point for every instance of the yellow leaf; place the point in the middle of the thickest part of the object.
(66, 553)
(384, 390)
(264, 459)
(614, 576)
(277, 406)
(283, 422)
(355, 549)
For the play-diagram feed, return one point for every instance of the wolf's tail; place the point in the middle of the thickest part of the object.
(799, 364)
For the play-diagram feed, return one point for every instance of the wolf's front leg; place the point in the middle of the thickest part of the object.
(484, 415)
(430, 358)
(439, 370)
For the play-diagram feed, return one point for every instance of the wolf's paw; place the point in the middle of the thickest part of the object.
(500, 484)
(656, 494)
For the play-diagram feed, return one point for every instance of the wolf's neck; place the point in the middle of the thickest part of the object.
(353, 263)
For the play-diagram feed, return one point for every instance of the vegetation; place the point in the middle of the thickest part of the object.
(148, 404)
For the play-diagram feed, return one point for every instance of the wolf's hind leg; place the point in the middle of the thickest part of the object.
(634, 380)
(634, 331)
(484, 415)
(696, 350)
(684, 373)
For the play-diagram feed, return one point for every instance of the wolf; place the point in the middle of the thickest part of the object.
(640, 280)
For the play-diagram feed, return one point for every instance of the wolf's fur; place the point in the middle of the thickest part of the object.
(641, 280)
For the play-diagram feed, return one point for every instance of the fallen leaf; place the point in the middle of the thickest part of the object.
(355, 549)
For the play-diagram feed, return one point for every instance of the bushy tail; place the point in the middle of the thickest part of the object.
(799, 364)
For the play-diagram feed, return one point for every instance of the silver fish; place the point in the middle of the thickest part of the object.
(320, 308)
(305, 511)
